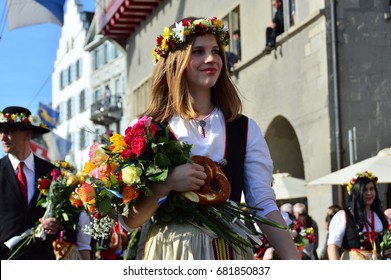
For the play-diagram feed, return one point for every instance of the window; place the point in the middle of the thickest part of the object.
(69, 109)
(79, 68)
(292, 12)
(105, 54)
(95, 60)
(73, 73)
(82, 101)
(100, 56)
(232, 20)
(83, 137)
(58, 109)
(61, 80)
(69, 76)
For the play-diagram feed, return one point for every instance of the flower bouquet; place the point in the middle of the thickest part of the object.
(59, 198)
(121, 170)
(302, 236)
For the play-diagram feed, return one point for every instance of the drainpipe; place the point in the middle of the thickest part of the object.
(337, 109)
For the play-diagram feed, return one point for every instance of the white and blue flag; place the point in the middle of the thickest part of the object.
(29, 12)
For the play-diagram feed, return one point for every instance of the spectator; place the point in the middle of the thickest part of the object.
(356, 229)
(331, 211)
(287, 208)
(276, 28)
(300, 209)
(232, 60)
(18, 199)
(236, 37)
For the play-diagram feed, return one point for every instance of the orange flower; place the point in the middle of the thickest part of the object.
(86, 193)
(129, 193)
(75, 201)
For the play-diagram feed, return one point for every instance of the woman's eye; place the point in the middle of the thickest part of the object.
(197, 51)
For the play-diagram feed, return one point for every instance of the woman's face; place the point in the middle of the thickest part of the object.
(205, 63)
(369, 194)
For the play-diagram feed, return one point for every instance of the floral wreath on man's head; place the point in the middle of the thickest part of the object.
(172, 38)
(365, 174)
(21, 119)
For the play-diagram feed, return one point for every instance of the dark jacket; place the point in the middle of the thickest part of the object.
(16, 216)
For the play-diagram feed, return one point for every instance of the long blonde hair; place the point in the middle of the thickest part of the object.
(170, 93)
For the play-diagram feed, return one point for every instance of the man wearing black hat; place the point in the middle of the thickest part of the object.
(19, 170)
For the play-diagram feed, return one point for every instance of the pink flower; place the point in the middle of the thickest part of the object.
(55, 174)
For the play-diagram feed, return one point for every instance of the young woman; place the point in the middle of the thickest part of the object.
(356, 230)
(193, 93)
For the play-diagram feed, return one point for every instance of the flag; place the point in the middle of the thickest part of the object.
(58, 147)
(29, 12)
(48, 116)
(39, 150)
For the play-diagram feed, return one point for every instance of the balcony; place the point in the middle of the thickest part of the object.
(121, 17)
(107, 110)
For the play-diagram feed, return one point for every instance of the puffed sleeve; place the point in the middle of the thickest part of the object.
(258, 172)
(337, 229)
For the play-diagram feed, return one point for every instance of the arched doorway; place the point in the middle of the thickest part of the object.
(284, 148)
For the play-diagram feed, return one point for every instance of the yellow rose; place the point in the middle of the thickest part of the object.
(88, 166)
(72, 181)
(118, 143)
(310, 230)
(131, 174)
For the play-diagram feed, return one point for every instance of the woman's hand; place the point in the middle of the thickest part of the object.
(186, 177)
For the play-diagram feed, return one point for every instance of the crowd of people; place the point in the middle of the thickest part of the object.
(193, 94)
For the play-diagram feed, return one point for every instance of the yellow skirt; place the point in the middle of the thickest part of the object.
(188, 242)
(357, 254)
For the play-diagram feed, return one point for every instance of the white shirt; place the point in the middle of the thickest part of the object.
(258, 165)
(28, 169)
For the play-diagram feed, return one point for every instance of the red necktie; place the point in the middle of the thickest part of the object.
(22, 180)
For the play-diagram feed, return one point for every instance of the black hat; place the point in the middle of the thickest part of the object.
(21, 118)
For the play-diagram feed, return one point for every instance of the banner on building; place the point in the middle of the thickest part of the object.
(30, 12)
(48, 116)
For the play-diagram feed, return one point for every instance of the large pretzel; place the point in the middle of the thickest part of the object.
(216, 189)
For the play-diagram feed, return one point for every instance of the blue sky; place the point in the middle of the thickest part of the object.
(27, 58)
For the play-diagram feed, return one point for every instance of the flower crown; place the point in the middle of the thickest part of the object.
(21, 119)
(364, 174)
(172, 38)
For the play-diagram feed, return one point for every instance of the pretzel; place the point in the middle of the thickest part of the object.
(61, 248)
(216, 189)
